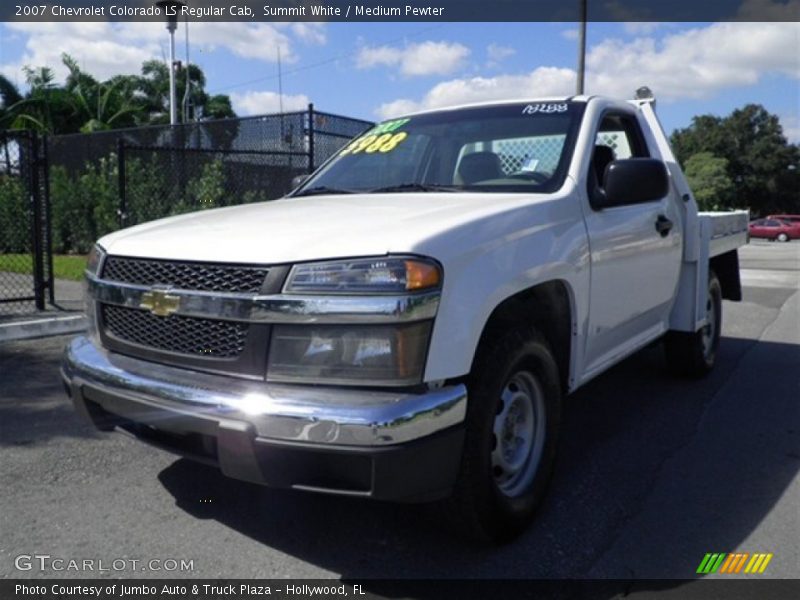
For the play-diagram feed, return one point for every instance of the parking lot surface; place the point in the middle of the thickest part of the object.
(653, 473)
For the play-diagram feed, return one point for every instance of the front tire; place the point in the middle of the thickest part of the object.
(782, 237)
(694, 354)
(513, 415)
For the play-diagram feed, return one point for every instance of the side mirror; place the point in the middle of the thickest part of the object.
(299, 180)
(633, 181)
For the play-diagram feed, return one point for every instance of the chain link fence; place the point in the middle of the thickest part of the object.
(103, 181)
(25, 268)
(59, 194)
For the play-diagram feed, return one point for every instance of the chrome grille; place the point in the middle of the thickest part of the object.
(185, 335)
(207, 277)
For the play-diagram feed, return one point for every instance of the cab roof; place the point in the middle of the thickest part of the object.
(487, 103)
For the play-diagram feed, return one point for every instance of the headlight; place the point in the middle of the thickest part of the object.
(95, 260)
(349, 354)
(385, 275)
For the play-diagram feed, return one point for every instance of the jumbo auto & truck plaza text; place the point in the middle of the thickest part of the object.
(121, 590)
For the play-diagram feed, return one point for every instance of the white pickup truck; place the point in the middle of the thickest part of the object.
(405, 324)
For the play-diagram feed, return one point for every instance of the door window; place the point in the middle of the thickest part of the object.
(619, 137)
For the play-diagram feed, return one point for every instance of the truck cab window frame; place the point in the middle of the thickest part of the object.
(632, 144)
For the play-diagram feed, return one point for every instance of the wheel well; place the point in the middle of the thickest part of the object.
(726, 266)
(546, 307)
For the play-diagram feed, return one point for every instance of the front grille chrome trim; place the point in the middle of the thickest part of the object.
(208, 277)
(276, 308)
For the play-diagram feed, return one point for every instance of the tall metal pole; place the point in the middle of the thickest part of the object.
(172, 9)
(280, 82)
(173, 107)
(187, 92)
(582, 49)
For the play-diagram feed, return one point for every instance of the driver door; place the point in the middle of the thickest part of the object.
(635, 263)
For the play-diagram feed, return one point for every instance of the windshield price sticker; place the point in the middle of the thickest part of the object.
(381, 138)
(532, 109)
(388, 126)
(375, 143)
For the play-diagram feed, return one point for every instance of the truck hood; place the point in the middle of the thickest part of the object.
(310, 228)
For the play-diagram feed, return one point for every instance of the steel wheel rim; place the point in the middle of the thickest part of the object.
(519, 430)
(710, 328)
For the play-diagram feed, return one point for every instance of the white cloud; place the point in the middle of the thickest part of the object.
(692, 64)
(425, 58)
(496, 52)
(259, 103)
(402, 106)
(311, 33)
(96, 47)
(642, 27)
(105, 49)
(544, 81)
(695, 63)
(258, 41)
(247, 40)
(369, 56)
(791, 128)
(570, 34)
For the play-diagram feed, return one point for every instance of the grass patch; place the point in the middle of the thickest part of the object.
(64, 266)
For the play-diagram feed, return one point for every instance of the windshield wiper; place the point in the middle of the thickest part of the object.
(322, 189)
(415, 187)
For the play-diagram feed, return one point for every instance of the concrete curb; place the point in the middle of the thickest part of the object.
(42, 327)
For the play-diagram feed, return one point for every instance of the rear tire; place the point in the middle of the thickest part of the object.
(782, 237)
(694, 354)
(513, 415)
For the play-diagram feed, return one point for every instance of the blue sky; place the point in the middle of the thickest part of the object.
(376, 70)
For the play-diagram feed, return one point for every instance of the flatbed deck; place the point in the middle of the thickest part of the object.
(728, 230)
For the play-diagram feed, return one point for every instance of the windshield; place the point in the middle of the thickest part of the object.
(507, 148)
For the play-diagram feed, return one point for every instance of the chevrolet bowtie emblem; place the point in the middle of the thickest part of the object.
(160, 303)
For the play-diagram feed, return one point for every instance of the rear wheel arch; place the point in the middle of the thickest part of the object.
(693, 354)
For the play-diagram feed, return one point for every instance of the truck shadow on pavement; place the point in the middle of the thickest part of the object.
(653, 472)
(30, 412)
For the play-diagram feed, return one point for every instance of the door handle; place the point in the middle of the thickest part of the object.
(663, 225)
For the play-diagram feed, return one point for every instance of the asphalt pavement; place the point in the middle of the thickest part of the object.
(652, 473)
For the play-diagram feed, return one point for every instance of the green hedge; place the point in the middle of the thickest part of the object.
(86, 206)
(15, 227)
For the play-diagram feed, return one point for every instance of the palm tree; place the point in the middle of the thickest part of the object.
(85, 104)
(46, 107)
(154, 88)
(9, 96)
(102, 106)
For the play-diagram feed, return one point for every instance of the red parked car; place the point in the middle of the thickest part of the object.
(792, 220)
(774, 229)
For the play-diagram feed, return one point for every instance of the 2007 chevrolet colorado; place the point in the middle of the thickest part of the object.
(404, 324)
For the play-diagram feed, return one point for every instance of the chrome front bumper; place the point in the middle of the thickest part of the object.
(314, 415)
(384, 445)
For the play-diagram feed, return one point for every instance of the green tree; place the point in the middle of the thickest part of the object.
(103, 105)
(9, 96)
(84, 104)
(14, 211)
(208, 190)
(761, 164)
(46, 107)
(153, 86)
(708, 177)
